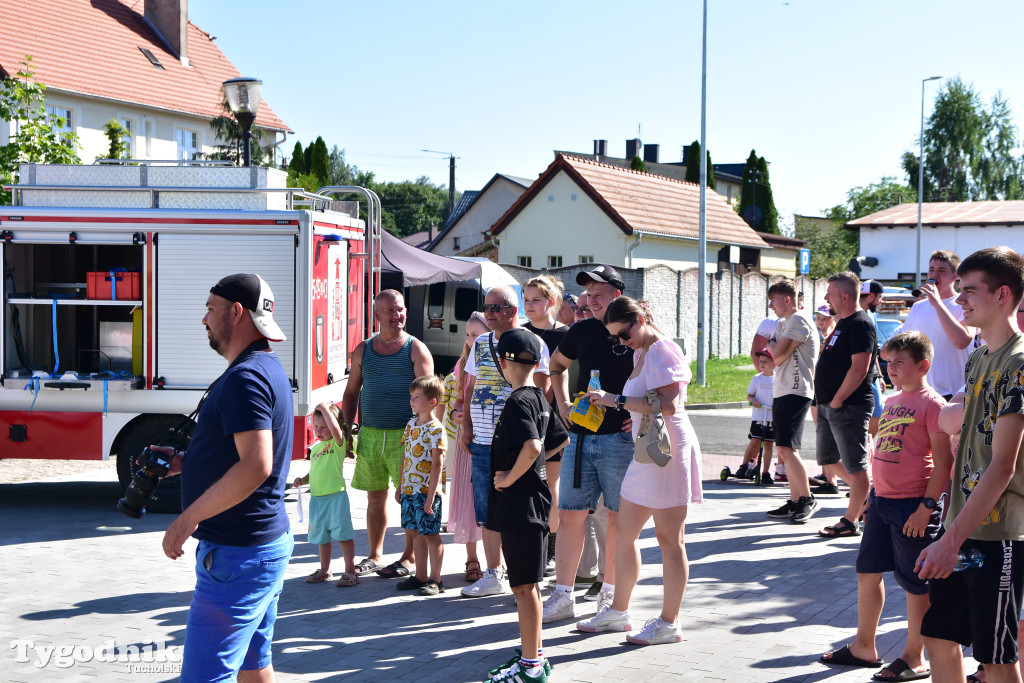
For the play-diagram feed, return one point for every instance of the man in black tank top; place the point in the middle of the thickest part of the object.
(385, 365)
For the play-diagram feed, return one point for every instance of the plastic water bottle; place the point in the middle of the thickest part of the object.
(595, 384)
(970, 559)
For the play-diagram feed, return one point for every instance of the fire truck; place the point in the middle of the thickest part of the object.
(106, 270)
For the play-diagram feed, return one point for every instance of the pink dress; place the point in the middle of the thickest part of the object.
(678, 482)
(461, 515)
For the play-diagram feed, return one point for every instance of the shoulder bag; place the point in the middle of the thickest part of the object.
(652, 442)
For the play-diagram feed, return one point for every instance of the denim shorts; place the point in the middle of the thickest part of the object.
(885, 548)
(482, 480)
(843, 436)
(606, 458)
(234, 606)
(415, 518)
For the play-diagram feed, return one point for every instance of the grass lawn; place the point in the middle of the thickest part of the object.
(727, 380)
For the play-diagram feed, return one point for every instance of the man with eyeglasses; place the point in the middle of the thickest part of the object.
(488, 390)
(583, 307)
(594, 463)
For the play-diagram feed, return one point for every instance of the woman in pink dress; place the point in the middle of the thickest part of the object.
(649, 490)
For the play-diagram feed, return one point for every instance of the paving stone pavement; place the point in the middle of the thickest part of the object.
(765, 599)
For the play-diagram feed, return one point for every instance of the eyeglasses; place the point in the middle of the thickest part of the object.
(623, 335)
(494, 308)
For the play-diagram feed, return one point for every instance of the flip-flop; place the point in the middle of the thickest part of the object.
(395, 570)
(973, 678)
(843, 657)
(366, 565)
(902, 671)
(840, 529)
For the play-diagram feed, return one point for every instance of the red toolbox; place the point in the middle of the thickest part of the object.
(98, 285)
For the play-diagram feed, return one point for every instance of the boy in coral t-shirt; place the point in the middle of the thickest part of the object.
(909, 471)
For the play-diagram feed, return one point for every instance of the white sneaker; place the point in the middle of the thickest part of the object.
(656, 632)
(606, 620)
(604, 600)
(560, 606)
(491, 583)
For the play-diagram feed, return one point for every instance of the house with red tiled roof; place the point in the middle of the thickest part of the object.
(584, 211)
(141, 62)
(890, 235)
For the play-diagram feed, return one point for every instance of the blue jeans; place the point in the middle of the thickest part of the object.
(482, 480)
(606, 458)
(234, 606)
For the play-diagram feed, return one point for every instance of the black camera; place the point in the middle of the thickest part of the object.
(144, 482)
(917, 292)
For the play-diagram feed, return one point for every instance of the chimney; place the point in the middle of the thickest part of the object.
(600, 148)
(651, 153)
(633, 148)
(169, 18)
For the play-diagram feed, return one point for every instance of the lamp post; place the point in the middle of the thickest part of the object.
(920, 187)
(243, 95)
(702, 232)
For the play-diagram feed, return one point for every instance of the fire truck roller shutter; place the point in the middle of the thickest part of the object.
(187, 266)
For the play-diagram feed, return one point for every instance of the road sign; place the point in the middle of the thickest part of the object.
(805, 261)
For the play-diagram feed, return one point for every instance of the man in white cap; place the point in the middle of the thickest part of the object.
(233, 479)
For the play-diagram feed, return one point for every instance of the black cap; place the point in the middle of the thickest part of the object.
(254, 294)
(519, 345)
(871, 287)
(602, 273)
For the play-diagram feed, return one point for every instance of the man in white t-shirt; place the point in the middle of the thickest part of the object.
(795, 351)
(941, 320)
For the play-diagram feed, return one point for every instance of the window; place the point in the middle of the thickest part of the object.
(129, 140)
(149, 139)
(188, 144)
(455, 243)
(586, 259)
(435, 300)
(466, 301)
(554, 261)
(525, 261)
(61, 118)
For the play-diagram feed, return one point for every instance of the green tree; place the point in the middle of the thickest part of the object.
(38, 138)
(969, 149)
(693, 165)
(230, 140)
(861, 201)
(118, 136)
(637, 164)
(341, 173)
(831, 247)
(411, 206)
(757, 204)
(320, 165)
(308, 155)
(297, 164)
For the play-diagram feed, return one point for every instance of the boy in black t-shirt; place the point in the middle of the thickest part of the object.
(519, 504)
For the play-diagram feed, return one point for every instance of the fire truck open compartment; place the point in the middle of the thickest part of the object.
(50, 323)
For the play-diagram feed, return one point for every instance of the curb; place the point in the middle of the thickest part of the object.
(715, 406)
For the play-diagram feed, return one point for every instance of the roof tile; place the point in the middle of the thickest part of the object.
(946, 213)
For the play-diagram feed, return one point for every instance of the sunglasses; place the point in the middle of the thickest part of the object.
(623, 335)
(494, 308)
(583, 309)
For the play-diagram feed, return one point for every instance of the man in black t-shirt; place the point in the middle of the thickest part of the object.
(594, 463)
(843, 395)
(519, 502)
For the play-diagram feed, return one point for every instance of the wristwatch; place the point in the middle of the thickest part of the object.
(620, 402)
(928, 503)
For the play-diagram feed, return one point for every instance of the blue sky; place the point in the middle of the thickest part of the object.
(828, 92)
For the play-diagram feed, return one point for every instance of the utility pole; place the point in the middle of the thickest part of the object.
(451, 177)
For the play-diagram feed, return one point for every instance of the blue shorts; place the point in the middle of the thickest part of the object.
(605, 459)
(415, 518)
(231, 620)
(885, 548)
(330, 518)
(482, 480)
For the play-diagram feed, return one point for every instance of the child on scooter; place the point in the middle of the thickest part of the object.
(762, 433)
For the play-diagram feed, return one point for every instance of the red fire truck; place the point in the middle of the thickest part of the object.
(106, 270)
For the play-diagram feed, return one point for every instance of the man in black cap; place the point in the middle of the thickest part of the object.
(594, 463)
(232, 490)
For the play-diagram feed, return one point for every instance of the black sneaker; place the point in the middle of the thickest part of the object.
(803, 509)
(741, 473)
(432, 587)
(410, 584)
(825, 489)
(784, 512)
(766, 479)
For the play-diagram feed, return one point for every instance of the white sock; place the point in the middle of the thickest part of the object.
(559, 588)
(607, 588)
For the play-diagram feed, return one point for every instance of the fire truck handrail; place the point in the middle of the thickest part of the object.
(294, 193)
(373, 222)
(153, 162)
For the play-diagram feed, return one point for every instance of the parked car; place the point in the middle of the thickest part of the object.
(885, 328)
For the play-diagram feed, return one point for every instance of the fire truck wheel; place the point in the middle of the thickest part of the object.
(145, 432)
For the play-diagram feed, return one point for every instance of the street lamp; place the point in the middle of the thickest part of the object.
(920, 187)
(243, 96)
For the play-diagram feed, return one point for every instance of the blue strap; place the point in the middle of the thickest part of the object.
(113, 285)
(33, 385)
(104, 398)
(56, 351)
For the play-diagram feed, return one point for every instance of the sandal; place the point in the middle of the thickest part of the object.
(473, 573)
(395, 570)
(973, 678)
(899, 672)
(347, 580)
(319, 576)
(843, 527)
(843, 657)
(366, 565)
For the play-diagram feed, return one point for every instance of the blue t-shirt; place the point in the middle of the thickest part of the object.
(253, 393)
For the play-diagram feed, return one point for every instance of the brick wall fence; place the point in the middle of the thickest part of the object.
(736, 303)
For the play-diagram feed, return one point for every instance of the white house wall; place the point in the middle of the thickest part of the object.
(678, 254)
(555, 224)
(894, 247)
(481, 216)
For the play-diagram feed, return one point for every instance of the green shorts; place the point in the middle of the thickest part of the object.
(378, 458)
